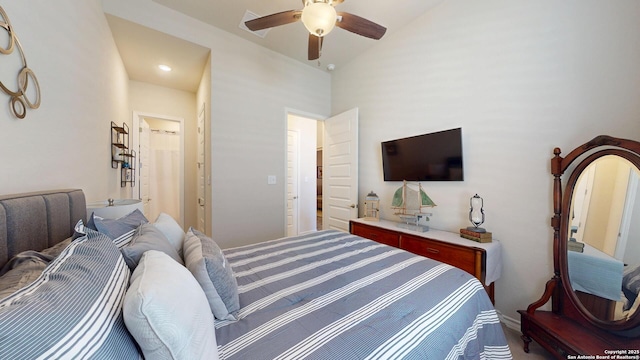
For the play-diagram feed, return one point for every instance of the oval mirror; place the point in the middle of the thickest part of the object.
(603, 238)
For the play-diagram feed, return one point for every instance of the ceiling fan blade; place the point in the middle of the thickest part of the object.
(277, 19)
(315, 46)
(360, 26)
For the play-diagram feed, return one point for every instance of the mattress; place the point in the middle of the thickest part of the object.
(333, 295)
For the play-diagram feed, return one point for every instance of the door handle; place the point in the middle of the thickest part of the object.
(353, 206)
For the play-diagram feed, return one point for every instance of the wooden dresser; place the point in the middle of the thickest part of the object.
(443, 246)
(586, 322)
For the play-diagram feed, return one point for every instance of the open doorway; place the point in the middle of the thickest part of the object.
(337, 137)
(304, 173)
(319, 178)
(160, 185)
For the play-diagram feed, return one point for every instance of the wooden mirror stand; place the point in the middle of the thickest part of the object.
(572, 326)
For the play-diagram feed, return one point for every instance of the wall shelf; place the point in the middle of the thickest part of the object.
(121, 155)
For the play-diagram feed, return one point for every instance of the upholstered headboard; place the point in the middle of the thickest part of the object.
(38, 220)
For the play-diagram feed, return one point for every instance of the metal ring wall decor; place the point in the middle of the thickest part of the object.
(19, 101)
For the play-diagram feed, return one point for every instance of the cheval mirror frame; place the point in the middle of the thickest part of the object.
(571, 328)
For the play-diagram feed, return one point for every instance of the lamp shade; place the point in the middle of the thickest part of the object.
(319, 18)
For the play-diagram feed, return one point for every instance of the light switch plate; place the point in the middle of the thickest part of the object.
(271, 179)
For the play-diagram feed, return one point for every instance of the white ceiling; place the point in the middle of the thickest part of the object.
(142, 48)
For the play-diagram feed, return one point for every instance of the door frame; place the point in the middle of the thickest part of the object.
(296, 187)
(137, 117)
(285, 136)
(202, 133)
(625, 223)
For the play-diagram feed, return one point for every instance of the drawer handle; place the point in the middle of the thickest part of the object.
(433, 251)
(373, 235)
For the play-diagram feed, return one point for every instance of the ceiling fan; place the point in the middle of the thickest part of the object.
(319, 17)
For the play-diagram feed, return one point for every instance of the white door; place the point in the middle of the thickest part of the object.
(145, 132)
(581, 204)
(293, 149)
(627, 215)
(340, 170)
(201, 225)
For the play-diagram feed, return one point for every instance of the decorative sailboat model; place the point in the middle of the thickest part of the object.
(408, 204)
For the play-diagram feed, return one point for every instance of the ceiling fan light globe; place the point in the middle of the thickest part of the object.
(319, 18)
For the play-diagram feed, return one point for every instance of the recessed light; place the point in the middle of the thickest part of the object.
(163, 67)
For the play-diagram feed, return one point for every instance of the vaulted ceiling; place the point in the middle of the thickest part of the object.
(339, 46)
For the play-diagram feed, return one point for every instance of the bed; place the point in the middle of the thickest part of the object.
(323, 295)
(595, 272)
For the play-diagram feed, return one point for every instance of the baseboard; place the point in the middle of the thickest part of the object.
(511, 323)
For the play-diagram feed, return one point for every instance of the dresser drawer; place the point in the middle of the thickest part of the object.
(376, 234)
(458, 256)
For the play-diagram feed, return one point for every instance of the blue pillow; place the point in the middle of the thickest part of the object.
(206, 261)
(120, 230)
(148, 237)
(74, 309)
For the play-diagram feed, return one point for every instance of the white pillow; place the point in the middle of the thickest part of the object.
(167, 312)
(171, 229)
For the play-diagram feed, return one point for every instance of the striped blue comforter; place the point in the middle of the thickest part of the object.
(333, 295)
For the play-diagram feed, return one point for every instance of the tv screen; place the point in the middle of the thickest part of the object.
(430, 157)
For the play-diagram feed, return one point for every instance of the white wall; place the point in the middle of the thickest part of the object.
(66, 142)
(158, 100)
(250, 89)
(520, 78)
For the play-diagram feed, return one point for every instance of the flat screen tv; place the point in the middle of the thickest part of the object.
(429, 157)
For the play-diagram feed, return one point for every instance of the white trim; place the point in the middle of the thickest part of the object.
(137, 116)
(509, 322)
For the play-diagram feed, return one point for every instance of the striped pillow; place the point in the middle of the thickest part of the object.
(121, 241)
(121, 230)
(69, 312)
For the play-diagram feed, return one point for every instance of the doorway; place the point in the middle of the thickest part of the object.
(160, 186)
(302, 173)
(319, 177)
(338, 139)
